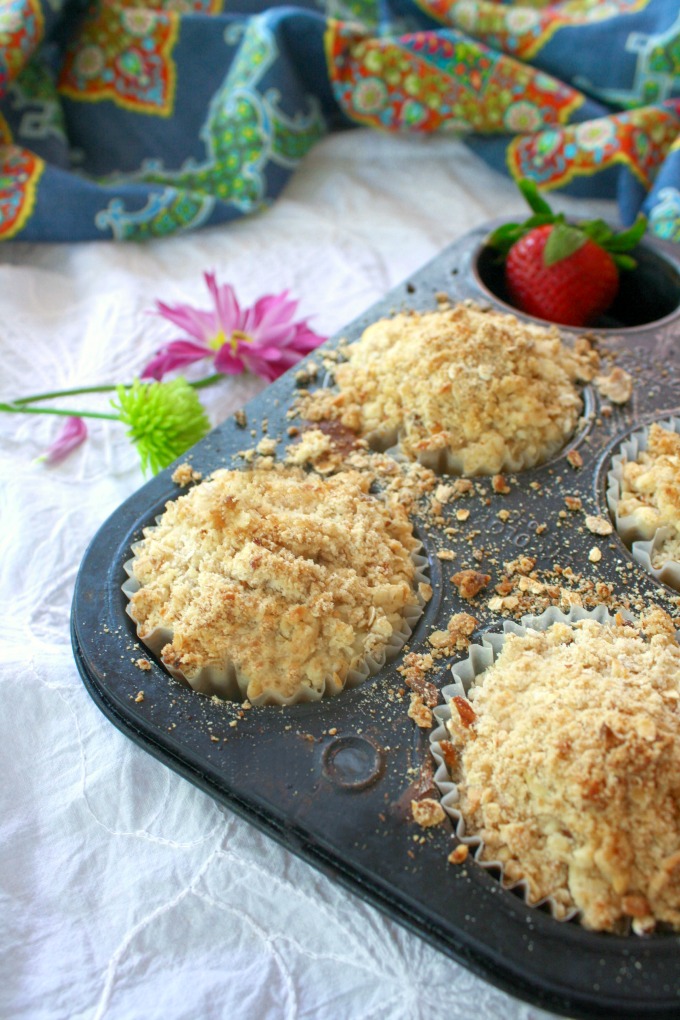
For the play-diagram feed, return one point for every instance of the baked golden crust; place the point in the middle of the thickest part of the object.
(290, 578)
(650, 491)
(463, 390)
(570, 767)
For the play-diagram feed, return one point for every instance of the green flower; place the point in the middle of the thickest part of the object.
(164, 419)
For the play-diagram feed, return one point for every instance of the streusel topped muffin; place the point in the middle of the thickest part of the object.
(568, 758)
(283, 580)
(461, 389)
(650, 491)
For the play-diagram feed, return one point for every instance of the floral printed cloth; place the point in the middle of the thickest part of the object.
(131, 119)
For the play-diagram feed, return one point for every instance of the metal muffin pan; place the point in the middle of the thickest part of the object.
(333, 781)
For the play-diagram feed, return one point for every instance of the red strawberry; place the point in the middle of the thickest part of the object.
(565, 274)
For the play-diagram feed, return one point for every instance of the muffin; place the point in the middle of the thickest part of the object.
(461, 390)
(275, 585)
(644, 497)
(565, 755)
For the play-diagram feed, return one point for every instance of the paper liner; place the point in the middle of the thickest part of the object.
(480, 657)
(644, 543)
(224, 682)
(445, 461)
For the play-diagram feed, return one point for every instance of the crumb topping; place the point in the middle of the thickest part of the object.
(293, 579)
(569, 767)
(463, 390)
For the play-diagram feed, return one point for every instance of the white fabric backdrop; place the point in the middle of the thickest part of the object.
(124, 891)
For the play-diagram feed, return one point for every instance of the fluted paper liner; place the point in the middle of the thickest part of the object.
(224, 682)
(643, 543)
(480, 657)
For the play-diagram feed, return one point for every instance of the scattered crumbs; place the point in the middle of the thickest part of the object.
(462, 515)
(470, 582)
(503, 515)
(499, 484)
(459, 855)
(575, 459)
(425, 591)
(266, 446)
(307, 374)
(535, 486)
(332, 731)
(139, 696)
(233, 723)
(185, 475)
(143, 664)
(617, 386)
(443, 493)
(214, 739)
(599, 525)
(427, 812)
(419, 712)
(293, 430)
(446, 554)
(541, 529)
(595, 554)
(240, 418)
(573, 503)
(456, 637)
(414, 669)
(315, 447)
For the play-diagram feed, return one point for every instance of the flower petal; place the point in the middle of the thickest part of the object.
(199, 324)
(306, 339)
(72, 433)
(228, 362)
(176, 354)
(227, 309)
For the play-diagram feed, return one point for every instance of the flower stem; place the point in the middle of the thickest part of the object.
(200, 384)
(35, 398)
(20, 409)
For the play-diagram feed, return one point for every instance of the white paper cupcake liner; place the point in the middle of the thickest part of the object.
(225, 682)
(644, 543)
(480, 657)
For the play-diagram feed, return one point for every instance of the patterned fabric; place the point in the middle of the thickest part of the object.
(131, 119)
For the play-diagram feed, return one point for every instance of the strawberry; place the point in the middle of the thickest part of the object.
(568, 274)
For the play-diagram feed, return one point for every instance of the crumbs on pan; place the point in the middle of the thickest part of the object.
(184, 474)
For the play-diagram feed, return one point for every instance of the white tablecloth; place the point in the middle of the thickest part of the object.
(124, 891)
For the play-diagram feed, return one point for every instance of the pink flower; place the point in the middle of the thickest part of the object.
(72, 434)
(263, 339)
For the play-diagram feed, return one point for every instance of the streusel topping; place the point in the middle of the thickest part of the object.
(569, 760)
(291, 578)
(461, 389)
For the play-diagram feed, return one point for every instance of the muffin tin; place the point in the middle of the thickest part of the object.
(333, 781)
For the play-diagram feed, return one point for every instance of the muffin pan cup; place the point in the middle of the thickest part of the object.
(334, 780)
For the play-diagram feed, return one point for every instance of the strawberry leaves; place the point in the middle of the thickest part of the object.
(565, 239)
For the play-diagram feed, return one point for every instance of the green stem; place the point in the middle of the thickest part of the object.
(35, 398)
(16, 409)
(208, 381)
